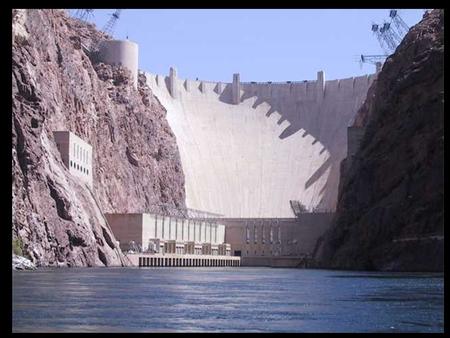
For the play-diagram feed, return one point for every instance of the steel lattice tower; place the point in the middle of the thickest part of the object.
(109, 26)
(83, 14)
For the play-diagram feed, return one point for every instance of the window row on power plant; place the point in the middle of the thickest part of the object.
(158, 246)
(153, 233)
(263, 234)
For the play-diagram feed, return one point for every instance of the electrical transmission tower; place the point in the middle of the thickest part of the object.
(376, 60)
(83, 14)
(391, 33)
(401, 26)
(380, 37)
(109, 27)
(388, 36)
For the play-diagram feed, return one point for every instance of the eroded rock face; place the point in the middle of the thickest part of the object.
(390, 208)
(135, 158)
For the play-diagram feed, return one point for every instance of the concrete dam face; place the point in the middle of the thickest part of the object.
(247, 149)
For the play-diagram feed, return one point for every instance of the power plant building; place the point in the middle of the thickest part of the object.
(151, 232)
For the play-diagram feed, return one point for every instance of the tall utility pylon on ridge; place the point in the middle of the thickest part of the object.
(390, 34)
(402, 27)
(109, 26)
(83, 14)
(376, 60)
(107, 29)
(377, 31)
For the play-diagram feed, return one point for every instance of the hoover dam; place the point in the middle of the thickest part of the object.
(248, 149)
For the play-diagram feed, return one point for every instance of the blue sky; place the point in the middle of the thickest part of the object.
(261, 45)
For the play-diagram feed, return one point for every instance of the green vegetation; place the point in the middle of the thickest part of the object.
(17, 246)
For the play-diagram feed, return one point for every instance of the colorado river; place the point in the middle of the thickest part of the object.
(225, 300)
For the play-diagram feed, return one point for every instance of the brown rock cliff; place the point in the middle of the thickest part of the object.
(390, 207)
(136, 162)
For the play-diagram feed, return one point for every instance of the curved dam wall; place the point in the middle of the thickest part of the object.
(247, 149)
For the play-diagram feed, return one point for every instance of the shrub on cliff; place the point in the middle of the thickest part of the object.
(17, 247)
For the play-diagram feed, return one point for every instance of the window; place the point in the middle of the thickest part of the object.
(71, 163)
(255, 234)
(247, 234)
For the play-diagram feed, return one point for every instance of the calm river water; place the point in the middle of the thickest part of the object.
(225, 300)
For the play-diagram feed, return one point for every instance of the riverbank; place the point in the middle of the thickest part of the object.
(22, 263)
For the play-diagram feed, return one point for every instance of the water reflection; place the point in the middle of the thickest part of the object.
(225, 300)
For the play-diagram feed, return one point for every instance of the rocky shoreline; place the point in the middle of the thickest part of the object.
(22, 263)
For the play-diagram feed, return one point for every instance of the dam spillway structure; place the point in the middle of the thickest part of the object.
(248, 149)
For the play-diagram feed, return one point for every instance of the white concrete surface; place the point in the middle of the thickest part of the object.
(280, 142)
(141, 228)
(76, 154)
(290, 236)
(121, 52)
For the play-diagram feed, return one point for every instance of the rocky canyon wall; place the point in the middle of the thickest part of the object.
(390, 205)
(55, 86)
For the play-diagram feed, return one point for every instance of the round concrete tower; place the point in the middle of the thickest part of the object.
(121, 52)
